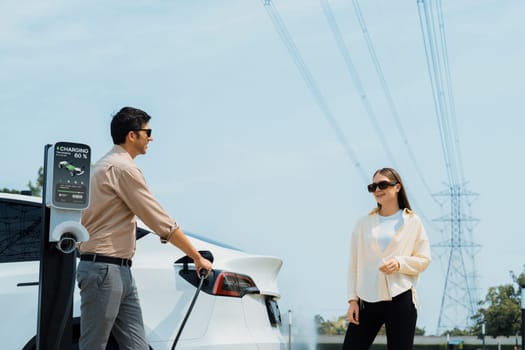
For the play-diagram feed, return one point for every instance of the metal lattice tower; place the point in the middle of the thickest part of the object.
(460, 293)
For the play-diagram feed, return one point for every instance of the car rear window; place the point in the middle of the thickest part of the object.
(20, 231)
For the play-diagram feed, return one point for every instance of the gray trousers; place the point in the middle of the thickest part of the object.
(109, 305)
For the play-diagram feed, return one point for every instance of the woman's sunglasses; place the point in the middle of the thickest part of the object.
(382, 185)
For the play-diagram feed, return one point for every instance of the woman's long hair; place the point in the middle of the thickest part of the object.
(393, 175)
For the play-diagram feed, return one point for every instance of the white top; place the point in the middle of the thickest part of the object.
(388, 226)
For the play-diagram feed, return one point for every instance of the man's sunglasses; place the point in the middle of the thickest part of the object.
(382, 185)
(148, 131)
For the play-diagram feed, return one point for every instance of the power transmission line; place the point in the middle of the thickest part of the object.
(309, 80)
(386, 91)
(438, 67)
(364, 97)
(356, 80)
(460, 290)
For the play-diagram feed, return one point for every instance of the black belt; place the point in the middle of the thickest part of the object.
(106, 259)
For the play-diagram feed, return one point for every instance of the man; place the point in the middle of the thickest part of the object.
(109, 300)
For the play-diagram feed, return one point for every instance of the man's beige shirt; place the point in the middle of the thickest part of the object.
(118, 195)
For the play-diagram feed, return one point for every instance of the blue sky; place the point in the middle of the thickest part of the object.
(242, 152)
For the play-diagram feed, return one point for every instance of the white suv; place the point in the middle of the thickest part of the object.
(237, 308)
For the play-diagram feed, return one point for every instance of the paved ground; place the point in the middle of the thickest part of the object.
(430, 340)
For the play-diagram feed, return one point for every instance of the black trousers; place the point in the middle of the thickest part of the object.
(399, 316)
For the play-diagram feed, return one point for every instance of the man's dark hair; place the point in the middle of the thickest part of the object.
(126, 120)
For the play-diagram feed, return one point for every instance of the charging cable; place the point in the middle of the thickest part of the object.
(202, 274)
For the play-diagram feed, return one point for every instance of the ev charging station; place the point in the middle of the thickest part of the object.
(65, 195)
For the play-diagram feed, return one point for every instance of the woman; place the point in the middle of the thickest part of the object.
(388, 252)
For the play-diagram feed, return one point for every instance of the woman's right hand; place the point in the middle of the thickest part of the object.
(353, 312)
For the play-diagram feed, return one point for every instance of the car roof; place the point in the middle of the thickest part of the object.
(21, 197)
(211, 241)
(142, 227)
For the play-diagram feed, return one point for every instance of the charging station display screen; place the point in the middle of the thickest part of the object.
(72, 162)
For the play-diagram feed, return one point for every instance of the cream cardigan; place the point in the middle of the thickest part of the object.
(409, 246)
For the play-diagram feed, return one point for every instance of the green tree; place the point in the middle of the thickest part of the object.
(338, 327)
(326, 327)
(9, 190)
(35, 189)
(420, 331)
(502, 311)
(457, 332)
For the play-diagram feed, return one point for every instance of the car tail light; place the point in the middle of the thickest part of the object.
(223, 283)
(234, 285)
